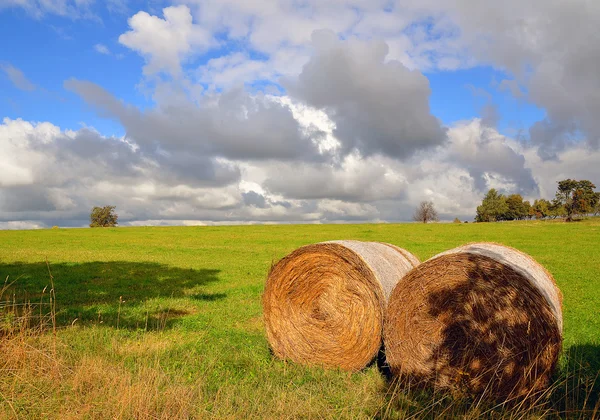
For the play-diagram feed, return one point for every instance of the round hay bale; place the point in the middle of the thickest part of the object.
(481, 319)
(324, 304)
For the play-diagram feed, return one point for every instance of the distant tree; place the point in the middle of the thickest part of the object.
(425, 212)
(456, 220)
(541, 208)
(577, 197)
(492, 208)
(527, 209)
(516, 208)
(556, 209)
(103, 217)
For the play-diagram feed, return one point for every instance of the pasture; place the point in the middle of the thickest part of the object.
(166, 322)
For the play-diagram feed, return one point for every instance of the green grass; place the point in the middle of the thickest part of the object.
(167, 321)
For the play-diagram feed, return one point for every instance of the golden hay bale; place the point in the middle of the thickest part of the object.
(479, 319)
(324, 304)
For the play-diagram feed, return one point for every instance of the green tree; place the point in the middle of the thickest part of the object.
(556, 209)
(577, 197)
(527, 209)
(103, 217)
(517, 210)
(541, 208)
(492, 208)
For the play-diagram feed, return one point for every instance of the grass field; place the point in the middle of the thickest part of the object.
(163, 322)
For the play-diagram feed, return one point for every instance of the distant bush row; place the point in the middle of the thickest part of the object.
(573, 199)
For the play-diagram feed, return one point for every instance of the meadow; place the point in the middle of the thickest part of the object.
(166, 322)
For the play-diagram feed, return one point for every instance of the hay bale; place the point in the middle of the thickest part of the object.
(479, 319)
(324, 304)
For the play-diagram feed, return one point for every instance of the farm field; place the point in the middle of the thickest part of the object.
(166, 322)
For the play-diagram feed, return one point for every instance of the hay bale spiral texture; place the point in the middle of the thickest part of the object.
(324, 304)
(481, 319)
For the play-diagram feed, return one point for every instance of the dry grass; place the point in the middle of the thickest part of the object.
(38, 366)
(86, 387)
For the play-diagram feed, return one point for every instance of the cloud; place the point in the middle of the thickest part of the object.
(227, 71)
(486, 155)
(232, 125)
(252, 198)
(335, 210)
(166, 42)
(455, 175)
(355, 180)
(17, 77)
(260, 115)
(378, 107)
(102, 49)
(74, 9)
(551, 49)
(117, 6)
(267, 26)
(21, 225)
(100, 170)
(152, 188)
(511, 86)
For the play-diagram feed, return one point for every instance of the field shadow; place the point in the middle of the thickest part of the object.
(577, 382)
(119, 294)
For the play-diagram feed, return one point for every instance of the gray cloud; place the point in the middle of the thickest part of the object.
(74, 9)
(551, 137)
(551, 47)
(490, 114)
(255, 199)
(234, 125)
(377, 106)
(357, 181)
(17, 77)
(511, 86)
(25, 199)
(485, 154)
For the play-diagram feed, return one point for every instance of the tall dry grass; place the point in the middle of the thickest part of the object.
(40, 376)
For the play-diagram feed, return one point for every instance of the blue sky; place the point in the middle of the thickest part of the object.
(190, 77)
(55, 49)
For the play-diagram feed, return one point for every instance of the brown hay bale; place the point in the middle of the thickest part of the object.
(481, 319)
(324, 304)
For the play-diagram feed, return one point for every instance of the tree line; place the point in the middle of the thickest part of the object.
(573, 199)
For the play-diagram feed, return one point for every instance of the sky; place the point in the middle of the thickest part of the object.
(201, 112)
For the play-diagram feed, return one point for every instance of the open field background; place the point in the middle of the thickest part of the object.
(167, 322)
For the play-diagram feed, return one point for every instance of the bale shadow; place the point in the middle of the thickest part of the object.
(122, 294)
(382, 365)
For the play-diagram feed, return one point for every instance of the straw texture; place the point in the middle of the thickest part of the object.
(324, 304)
(478, 319)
